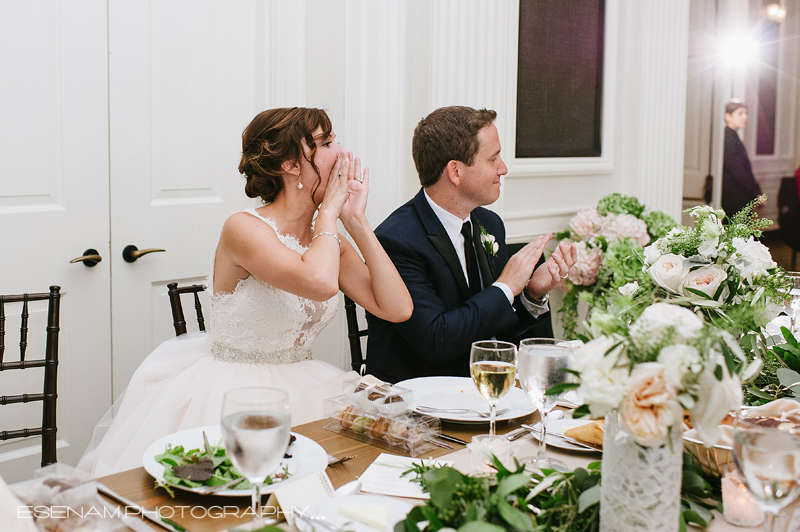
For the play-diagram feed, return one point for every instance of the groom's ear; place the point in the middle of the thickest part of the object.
(452, 172)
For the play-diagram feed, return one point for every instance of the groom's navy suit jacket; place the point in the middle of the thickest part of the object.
(436, 340)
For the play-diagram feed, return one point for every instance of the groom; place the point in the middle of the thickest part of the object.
(451, 253)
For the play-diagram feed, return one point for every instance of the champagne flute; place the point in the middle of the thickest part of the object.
(767, 459)
(493, 366)
(541, 364)
(255, 430)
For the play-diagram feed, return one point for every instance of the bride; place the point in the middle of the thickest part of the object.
(274, 286)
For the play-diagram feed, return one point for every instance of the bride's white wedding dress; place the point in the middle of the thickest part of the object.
(258, 335)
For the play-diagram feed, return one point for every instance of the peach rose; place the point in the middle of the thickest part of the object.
(705, 278)
(651, 406)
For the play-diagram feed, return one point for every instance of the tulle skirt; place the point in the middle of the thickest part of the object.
(180, 386)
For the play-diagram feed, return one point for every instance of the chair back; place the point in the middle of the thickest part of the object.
(49, 393)
(178, 320)
(354, 335)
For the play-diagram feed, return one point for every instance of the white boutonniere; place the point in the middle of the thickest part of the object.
(489, 242)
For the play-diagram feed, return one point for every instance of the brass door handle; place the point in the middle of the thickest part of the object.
(131, 253)
(90, 258)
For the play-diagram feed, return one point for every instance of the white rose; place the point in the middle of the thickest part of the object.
(651, 253)
(660, 317)
(752, 258)
(714, 400)
(651, 406)
(706, 279)
(604, 378)
(668, 272)
(495, 248)
(629, 289)
(678, 361)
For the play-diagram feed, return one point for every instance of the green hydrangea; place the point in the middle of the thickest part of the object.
(620, 204)
(623, 260)
(658, 224)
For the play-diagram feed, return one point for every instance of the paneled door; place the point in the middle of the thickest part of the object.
(182, 88)
(53, 207)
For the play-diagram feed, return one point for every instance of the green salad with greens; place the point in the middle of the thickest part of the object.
(209, 466)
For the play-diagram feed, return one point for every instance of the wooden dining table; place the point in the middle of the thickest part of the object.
(210, 513)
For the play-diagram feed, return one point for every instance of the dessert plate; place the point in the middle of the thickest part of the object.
(460, 392)
(308, 458)
(558, 426)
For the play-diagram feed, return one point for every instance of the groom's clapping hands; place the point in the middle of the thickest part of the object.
(519, 268)
(556, 268)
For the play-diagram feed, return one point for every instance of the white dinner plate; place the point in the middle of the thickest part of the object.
(460, 392)
(308, 457)
(328, 509)
(559, 426)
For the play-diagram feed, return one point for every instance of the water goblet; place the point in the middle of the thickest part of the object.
(767, 459)
(541, 365)
(493, 367)
(792, 307)
(255, 430)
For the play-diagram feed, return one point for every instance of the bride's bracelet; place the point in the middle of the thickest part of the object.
(334, 235)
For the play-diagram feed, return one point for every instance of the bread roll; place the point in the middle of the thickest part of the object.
(591, 433)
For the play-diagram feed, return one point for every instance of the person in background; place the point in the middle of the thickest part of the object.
(739, 185)
(451, 253)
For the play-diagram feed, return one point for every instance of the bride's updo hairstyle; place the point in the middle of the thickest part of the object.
(273, 137)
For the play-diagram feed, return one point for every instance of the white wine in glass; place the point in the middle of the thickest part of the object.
(541, 365)
(493, 367)
(768, 461)
(255, 430)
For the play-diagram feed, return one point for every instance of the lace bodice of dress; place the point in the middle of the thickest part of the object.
(258, 323)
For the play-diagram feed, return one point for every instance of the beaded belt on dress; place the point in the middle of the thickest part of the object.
(284, 356)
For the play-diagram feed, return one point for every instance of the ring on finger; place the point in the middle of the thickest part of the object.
(360, 179)
(565, 275)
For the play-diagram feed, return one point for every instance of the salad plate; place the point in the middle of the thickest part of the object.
(308, 458)
(460, 392)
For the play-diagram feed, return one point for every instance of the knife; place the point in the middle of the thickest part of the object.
(160, 521)
(560, 436)
(453, 439)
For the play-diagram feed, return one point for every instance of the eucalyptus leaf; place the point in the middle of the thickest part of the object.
(588, 498)
(789, 378)
(512, 483)
(518, 519)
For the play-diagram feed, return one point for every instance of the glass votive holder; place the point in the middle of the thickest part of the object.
(738, 505)
(483, 447)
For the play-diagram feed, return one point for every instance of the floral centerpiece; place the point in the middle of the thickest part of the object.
(669, 342)
(610, 242)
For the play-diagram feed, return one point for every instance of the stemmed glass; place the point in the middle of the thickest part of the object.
(767, 459)
(255, 430)
(541, 361)
(493, 366)
(792, 307)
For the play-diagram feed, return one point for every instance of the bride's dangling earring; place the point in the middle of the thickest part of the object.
(299, 184)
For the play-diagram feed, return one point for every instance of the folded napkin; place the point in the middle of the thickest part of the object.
(384, 476)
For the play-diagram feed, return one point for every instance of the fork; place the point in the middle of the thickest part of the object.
(430, 409)
(332, 460)
(312, 521)
(206, 490)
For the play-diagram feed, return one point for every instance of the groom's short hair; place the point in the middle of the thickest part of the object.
(447, 134)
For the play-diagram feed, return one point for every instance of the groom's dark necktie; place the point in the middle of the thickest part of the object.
(473, 273)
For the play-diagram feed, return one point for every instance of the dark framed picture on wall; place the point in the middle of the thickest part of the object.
(560, 78)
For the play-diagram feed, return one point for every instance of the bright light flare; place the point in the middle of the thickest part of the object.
(738, 50)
